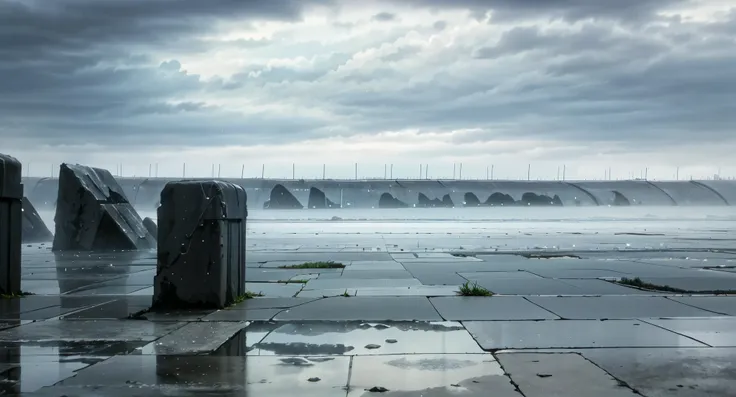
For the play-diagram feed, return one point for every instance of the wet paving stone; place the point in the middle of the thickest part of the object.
(274, 290)
(616, 307)
(251, 375)
(490, 308)
(716, 332)
(194, 338)
(361, 338)
(35, 372)
(436, 375)
(378, 308)
(242, 315)
(718, 304)
(686, 372)
(494, 335)
(80, 330)
(543, 375)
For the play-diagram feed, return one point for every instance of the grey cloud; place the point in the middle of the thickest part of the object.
(568, 9)
(440, 25)
(384, 17)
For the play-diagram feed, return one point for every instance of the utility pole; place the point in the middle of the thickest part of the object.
(293, 171)
(263, 171)
(420, 171)
(461, 170)
(487, 175)
(242, 171)
(324, 171)
(492, 171)
(184, 170)
(356, 171)
(529, 172)
(564, 170)
(392, 171)
(212, 172)
(454, 166)
(219, 168)
(677, 174)
(426, 171)
(609, 174)
(385, 172)
(646, 174)
(149, 170)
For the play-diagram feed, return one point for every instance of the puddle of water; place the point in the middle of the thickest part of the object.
(351, 338)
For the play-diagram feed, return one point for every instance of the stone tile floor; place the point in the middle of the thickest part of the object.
(557, 327)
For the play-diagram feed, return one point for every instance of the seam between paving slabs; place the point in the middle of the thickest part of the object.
(544, 308)
(674, 332)
(506, 374)
(289, 308)
(438, 312)
(696, 307)
(350, 376)
(620, 382)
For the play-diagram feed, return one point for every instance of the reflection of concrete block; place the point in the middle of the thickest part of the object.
(92, 213)
(34, 229)
(201, 245)
(11, 221)
(150, 226)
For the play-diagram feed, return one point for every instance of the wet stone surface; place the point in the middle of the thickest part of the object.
(402, 330)
(362, 338)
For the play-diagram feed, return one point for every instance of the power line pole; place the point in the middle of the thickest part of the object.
(263, 171)
(356, 171)
(324, 171)
(392, 171)
(426, 171)
(461, 170)
(564, 170)
(492, 171)
(219, 168)
(242, 171)
(529, 172)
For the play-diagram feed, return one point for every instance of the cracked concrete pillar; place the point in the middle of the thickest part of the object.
(201, 245)
(11, 223)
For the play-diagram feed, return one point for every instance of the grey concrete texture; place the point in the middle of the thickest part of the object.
(11, 224)
(201, 245)
(93, 213)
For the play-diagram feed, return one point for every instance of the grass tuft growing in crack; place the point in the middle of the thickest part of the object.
(315, 265)
(14, 295)
(636, 282)
(549, 256)
(245, 297)
(474, 289)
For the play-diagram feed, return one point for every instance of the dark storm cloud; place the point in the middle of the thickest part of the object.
(76, 73)
(79, 74)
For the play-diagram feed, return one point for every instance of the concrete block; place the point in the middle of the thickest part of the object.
(201, 245)
(150, 226)
(93, 213)
(11, 207)
(34, 229)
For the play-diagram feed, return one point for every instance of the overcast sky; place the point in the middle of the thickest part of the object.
(591, 84)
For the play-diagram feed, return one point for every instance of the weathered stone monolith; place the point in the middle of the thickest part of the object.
(201, 245)
(11, 223)
(93, 214)
(150, 226)
(34, 229)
